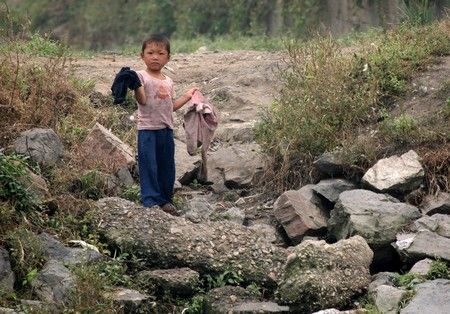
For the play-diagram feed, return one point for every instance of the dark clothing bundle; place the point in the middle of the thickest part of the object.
(125, 79)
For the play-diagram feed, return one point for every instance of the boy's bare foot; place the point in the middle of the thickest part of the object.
(170, 209)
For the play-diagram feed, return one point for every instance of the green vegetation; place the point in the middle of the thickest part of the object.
(439, 269)
(328, 93)
(13, 175)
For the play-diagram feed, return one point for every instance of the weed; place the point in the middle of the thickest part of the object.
(407, 280)
(417, 12)
(195, 185)
(27, 255)
(402, 129)
(439, 269)
(132, 193)
(231, 278)
(254, 289)
(196, 305)
(13, 173)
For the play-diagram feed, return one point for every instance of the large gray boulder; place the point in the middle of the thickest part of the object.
(330, 189)
(431, 297)
(387, 298)
(318, 275)
(169, 241)
(438, 223)
(436, 204)
(413, 247)
(55, 250)
(396, 173)
(41, 145)
(54, 283)
(376, 217)
(7, 276)
(299, 214)
(235, 167)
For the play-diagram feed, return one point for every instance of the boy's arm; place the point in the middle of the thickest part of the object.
(180, 102)
(139, 94)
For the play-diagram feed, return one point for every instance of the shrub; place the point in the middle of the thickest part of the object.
(27, 255)
(12, 188)
(402, 129)
(330, 97)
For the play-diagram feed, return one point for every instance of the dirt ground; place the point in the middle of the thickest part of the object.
(238, 83)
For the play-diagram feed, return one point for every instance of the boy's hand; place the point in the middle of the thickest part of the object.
(190, 92)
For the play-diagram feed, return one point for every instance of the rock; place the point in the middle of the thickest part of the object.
(431, 297)
(388, 299)
(131, 301)
(395, 174)
(35, 184)
(236, 132)
(415, 246)
(436, 204)
(335, 311)
(7, 277)
(186, 166)
(232, 214)
(41, 145)
(259, 307)
(422, 267)
(383, 278)
(331, 188)
(438, 223)
(54, 283)
(319, 275)
(198, 209)
(299, 214)
(104, 148)
(237, 166)
(55, 250)
(330, 164)
(375, 217)
(177, 282)
(125, 177)
(4, 310)
(168, 241)
(229, 299)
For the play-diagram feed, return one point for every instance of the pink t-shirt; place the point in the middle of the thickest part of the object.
(157, 112)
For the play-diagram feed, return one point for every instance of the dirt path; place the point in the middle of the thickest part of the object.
(238, 83)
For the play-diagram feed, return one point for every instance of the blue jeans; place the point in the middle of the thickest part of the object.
(156, 161)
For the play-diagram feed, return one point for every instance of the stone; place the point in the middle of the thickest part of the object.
(43, 146)
(436, 204)
(422, 267)
(438, 223)
(318, 275)
(53, 283)
(388, 299)
(331, 188)
(415, 246)
(131, 301)
(395, 174)
(299, 214)
(101, 147)
(7, 277)
(55, 250)
(329, 164)
(375, 217)
(177, 282)
(431, 297)
(235, 167)
(186, 166)
(170, 242)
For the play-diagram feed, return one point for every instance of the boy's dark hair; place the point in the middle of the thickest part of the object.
(157, 38)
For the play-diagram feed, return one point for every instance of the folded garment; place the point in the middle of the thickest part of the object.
(124, 80)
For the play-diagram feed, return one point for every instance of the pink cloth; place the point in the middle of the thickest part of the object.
(156, 114)
(200, 123)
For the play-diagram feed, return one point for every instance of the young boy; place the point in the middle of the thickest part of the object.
(156, 147)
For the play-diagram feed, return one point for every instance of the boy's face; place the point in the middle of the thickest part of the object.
(155, 56)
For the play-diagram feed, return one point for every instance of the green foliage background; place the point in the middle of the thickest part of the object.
(97, 24)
